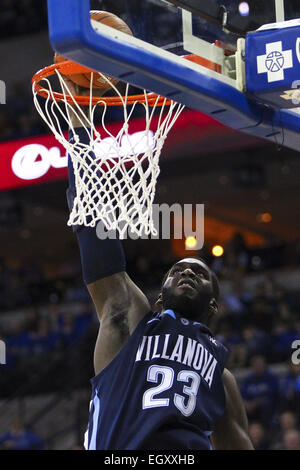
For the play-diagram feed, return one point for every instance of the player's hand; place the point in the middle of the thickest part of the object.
(78, 113)
(75, 89)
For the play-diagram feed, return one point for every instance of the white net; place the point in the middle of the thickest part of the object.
(115, 175)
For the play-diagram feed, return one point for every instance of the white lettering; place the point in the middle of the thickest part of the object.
(147, 358)
(2, 352)
(296, 354)
(155, 355)
(177, 351)
(207, 360)
(31, 162)
(186, 351)
(198, 359)
(164, 353)
(190, 351)
(141, 349)
(2, 92)
(210, 373)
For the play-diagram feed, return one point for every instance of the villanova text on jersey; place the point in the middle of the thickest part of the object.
(163, 391)
(187, 351)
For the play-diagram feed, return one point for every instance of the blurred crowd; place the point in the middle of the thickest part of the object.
(20, 438)
(272, 406)
(22, 17)
(43, 332)
(19, 119)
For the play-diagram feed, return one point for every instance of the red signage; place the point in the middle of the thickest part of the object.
(30, 161)
(36, 160)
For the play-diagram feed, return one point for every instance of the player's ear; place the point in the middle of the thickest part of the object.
(158, 304)
(213, 307)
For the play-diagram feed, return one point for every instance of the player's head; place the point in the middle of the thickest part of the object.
(191, 289)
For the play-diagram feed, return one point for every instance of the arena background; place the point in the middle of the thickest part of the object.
(250, 189)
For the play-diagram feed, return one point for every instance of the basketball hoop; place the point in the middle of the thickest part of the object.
(122, 197)
(115, 175)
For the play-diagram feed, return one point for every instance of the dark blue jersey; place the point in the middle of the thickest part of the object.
(163, 391)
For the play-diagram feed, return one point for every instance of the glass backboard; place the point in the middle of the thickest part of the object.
(159, 22)
(211, 81)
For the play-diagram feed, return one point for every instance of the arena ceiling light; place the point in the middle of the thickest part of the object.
(217, 251)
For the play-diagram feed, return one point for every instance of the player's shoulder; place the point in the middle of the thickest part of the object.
(169, 315)
(220, 351)
(212, 340)
(216, 346)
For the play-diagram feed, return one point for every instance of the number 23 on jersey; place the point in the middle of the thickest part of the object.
(165, 377)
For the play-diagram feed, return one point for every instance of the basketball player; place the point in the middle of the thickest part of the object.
(160, 380)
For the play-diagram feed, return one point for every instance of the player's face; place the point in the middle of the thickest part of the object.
(188, 288)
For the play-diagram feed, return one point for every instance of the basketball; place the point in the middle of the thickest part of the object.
(84, 79)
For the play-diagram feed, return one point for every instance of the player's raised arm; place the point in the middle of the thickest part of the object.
(231, 432)
(119, 302)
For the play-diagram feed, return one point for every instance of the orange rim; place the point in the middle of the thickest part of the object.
(69, 68)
